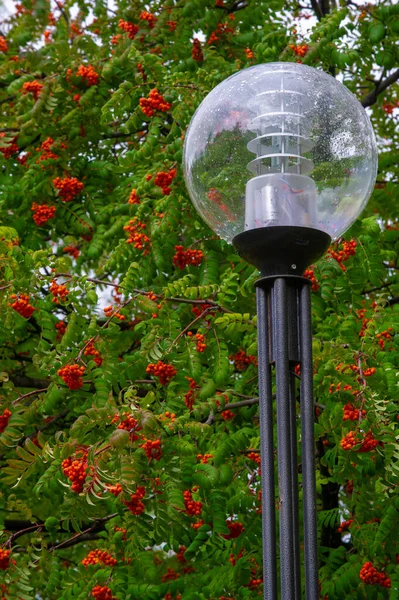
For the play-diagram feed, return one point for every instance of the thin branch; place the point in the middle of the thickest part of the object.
(376, 289)
(84, 537)
(249, 402)
(372, 96)
(33, 393)
(97, 526)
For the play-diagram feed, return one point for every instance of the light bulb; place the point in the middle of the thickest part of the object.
(280, 144)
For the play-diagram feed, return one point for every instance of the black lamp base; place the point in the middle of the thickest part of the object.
(281, 250)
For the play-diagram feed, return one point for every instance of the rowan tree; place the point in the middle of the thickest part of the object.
(129, 419)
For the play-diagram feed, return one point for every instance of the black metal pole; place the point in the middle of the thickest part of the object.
(284, 420)
(285, 339)
(294, 488)
(308, 445)
(266, 447)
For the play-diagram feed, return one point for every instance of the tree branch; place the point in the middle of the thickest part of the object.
(372, 96)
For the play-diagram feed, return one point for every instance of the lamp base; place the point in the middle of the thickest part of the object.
(281, 250)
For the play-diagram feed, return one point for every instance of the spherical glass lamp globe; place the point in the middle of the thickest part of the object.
(280, 145)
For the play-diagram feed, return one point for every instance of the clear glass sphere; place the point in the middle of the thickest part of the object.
(280, 144)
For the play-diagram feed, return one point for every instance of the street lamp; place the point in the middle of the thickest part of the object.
(279, 159)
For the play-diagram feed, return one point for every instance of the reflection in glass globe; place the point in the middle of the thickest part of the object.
(280, 144)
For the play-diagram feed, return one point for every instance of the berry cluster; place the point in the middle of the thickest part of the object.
(370, 371)
(221, 29)
(196, 52)
(227, 415)
(133, 199)
(135, 505)
(248, 53)
(10, 149)
(152, 449)
(180, 554)
(300, 49)
(235, 528)
(22, 306)
(309, 274)
(102, 593)
(370, 575)
(337, 388)
(255, 457)
(46, 148)
(76, 471)
(345, 525)
(198, 524)
(169, 596)
(182, 258)
(204, 458)
(115, 490)
(189, 397)
(47, 36)
(129, 424)
(369, 443)
(42, 213)
(193, 507)
(198, 310)
(110, 312)
(168, 415)
(383, 336)
(4, 418)
(255, 582)
(351, 413)
(165, 372)
(233, 559)
(137, 237)
(59, 292)
(4, 559)
(90, 350)
(171, 575)
(72, 376)
(115, 39)
(163, 179)
(61, 328)
(146, 16)
(349, 441)
(348, 250)
(155, 101)
(242, 360)
(71, 250)
(75, 30)
(200, 341)
(32, 87)
(96, 557)
(68, 187)
(130, 28)
(3, 44)
(172, 25)
(88, 74)
(387, 107)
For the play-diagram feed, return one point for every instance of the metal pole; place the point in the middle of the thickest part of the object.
(294, 488)
(266, 447)
(308, 446)
(284, 419)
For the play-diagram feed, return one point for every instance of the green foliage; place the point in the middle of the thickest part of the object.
(164, 407)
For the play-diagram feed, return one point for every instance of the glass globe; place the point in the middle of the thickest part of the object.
(280, 144)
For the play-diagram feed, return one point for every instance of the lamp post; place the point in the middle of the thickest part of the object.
(279, 160)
